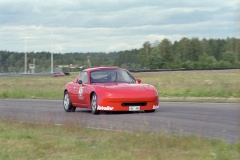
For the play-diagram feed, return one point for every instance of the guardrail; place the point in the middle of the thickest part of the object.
(179, 69)
(140, 70)
(20, 75)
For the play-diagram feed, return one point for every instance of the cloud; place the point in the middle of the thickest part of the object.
(111, 25)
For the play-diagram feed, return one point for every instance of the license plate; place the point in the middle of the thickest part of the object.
(134, 108)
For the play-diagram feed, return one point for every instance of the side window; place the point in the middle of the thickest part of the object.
(84, 77)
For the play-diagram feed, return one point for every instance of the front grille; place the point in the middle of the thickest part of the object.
(134, 104)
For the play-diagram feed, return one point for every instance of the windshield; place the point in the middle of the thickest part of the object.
(105, 76)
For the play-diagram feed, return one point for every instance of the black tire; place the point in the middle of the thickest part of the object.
(67, 104)
(94, 104)
(149, 111)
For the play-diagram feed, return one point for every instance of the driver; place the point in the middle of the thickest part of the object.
(112, 77)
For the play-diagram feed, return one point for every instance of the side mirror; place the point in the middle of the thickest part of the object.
(138, 80)
(80, 81)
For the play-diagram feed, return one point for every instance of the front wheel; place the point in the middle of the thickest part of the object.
(94, 104)
(67, 104)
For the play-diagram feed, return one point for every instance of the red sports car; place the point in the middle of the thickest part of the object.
(109, 89)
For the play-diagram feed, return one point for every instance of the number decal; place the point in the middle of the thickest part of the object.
(80, 92)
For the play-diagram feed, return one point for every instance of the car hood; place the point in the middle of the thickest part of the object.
(128, 89)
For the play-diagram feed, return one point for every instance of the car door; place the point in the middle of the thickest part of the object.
(81, 89)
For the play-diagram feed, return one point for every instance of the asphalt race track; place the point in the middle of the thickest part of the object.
(211, 120)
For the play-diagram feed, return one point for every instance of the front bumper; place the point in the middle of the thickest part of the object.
(110, 104)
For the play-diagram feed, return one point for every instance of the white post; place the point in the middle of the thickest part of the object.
(51, 62)
(89, 61)
(25, 56)
(25, 63)
(51, 54)
(33, 65)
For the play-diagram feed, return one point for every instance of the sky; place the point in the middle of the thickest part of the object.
(63, 26)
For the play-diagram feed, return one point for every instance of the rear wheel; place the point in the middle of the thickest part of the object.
(67, 104)
(94, 104)
(149, 111)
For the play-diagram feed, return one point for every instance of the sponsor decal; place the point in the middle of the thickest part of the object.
(155, 106)
(105, 108)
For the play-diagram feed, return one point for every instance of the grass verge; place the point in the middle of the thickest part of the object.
(43, 141)
(213, 83)
(216, 85)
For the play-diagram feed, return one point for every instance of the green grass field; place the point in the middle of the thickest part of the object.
(47, 142)
(223, 84)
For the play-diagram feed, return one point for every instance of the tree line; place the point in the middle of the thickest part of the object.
(185, 53)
